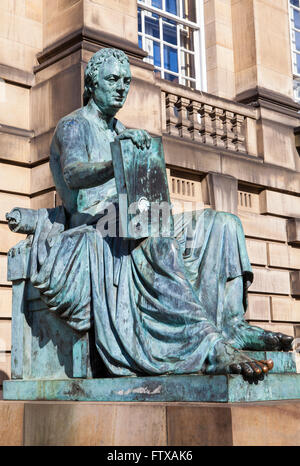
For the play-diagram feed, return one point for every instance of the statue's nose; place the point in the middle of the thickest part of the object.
(121, 86)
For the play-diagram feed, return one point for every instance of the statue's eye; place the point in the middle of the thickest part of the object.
(113, 79)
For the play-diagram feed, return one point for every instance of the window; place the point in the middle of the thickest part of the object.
(295, 41)
(171, 32)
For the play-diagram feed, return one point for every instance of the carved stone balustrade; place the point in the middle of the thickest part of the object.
(208, 119)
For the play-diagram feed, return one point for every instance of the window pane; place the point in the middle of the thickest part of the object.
(151, 25)
(189, 10)
(187, 38)
(294, 2)
(153, 49)
(296, 16)
(139, 20)
(170, 33)
(297, 63)
(171, 77)
(170, 59)
(156, 54)
(297, 40)
(187, 65)
(171, 6)
(140, 42)
(297, 90)
(157, 3)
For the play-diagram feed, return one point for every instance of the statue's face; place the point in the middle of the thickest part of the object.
(112, 87)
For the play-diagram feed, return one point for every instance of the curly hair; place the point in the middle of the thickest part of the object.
(92, 68)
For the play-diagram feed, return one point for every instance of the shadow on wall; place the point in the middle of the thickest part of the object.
(3, 376)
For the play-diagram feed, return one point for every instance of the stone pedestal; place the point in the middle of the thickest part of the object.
(149, 424)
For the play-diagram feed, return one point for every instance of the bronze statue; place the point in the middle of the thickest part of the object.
(158, 305)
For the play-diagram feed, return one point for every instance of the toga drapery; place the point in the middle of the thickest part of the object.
(156, 305)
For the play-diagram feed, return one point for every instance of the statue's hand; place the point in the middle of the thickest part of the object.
(139, 137)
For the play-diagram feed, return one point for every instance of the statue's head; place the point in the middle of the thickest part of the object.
(107, 79)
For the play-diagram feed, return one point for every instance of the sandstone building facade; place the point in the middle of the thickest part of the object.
(214, 78)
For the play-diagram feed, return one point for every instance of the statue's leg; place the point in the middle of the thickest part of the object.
(241, 334)
(219, 270)
(167, 329)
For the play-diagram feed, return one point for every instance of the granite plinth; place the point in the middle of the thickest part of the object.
(192, 388)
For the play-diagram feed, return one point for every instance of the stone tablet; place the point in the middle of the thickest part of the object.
(142, 185)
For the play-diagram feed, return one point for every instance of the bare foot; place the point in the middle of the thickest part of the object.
(249, 337)
(224, 359)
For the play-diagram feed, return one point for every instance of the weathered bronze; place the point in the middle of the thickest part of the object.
(155, 304)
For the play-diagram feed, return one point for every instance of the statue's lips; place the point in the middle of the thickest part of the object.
(118, 100)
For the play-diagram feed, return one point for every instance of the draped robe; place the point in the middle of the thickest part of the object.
(156, 305)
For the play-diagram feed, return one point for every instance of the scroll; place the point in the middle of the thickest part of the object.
(142, 186)
(22, 220)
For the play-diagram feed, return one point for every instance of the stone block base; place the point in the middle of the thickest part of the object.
(149, 424)
(194, 388)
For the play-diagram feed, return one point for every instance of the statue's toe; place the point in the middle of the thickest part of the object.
(272, 341)
(286, 341)
(235, 369)
(248, 373)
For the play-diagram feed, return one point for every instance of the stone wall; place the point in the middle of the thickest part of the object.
(232, 148)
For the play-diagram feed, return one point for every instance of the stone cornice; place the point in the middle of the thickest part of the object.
(16, 76)
(261, 97)
(89, 39)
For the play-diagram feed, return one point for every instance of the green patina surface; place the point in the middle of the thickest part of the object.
(88, 302)
(200, 388)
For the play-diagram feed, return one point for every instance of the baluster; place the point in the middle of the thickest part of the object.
(195, 126)
(206, 124)
(238, 129)
(183, 120)
(171, 114)
(228, 131)
(218, 125)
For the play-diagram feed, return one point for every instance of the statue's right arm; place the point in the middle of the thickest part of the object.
(78, 171)
(87, 175)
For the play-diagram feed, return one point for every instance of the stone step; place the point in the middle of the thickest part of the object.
(202, 388)
(284, 362)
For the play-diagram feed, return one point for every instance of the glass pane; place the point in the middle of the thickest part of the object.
(187, 65)
(189, 10)
(297, 90)
(153, 49)
(171, 77)
(297, 63)
(139, 20)
(297, 40)
(140, 42)
(151, 25)
(171, 6)
(157, 3)
(170, 59)
(156, 53)
(187, 38)
(170, 32)
(296, 15)
(294, 2)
